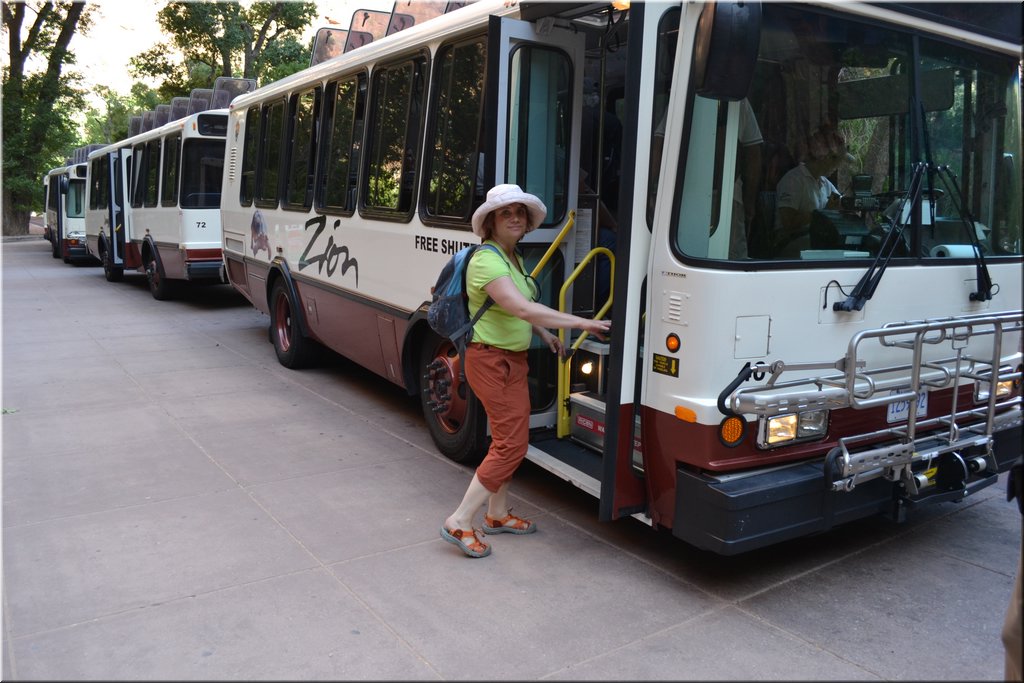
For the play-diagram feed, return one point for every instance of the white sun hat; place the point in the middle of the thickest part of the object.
(503, 195)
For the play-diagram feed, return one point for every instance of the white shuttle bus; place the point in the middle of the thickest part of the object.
(65, 213)
(154, 203)
(783, 359)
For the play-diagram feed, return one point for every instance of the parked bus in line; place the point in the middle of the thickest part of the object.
(154, 202)
(765, 378)
(65, 213)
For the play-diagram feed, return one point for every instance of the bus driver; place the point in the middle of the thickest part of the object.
(805, 188)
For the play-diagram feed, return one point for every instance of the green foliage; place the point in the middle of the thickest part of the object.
(111, 123)
(282, 58)
(215, 39)
(39, 104)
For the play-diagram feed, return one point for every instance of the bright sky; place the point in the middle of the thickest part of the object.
(124, 28)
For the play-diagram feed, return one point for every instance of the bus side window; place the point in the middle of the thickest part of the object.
(540, 125)
(394, 136)
(304, 112)
(169, 183)
(54, 193)
(94, 183)
(343, 125)
(152, 172)
(138, 175)
(249, 150)
(268, 185)
(457, 115)
(104, 180)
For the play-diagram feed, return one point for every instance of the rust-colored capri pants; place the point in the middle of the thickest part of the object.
(498, 378)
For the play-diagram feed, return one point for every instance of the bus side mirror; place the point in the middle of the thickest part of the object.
(725, 54)
(64, 184)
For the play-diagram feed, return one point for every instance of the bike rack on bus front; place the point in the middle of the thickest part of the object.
(892, 451)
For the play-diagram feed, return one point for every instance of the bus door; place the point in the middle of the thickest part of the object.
(118, 229)
(59, 191)
(535, 80)
(626, 470)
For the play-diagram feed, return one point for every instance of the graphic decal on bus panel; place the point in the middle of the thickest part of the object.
(327, 256)
(260, 241)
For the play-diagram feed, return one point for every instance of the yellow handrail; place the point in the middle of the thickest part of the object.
(563, 362)
(555, 244)
(564, 366)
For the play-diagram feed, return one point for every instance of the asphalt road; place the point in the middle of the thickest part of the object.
(177, 505)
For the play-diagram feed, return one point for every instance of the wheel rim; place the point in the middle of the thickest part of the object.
(446, 394)
(154, 275)
(283, 322)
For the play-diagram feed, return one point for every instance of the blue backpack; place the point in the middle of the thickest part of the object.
(448, 313)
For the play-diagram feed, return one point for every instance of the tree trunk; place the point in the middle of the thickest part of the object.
(16, 202)
(15, 222)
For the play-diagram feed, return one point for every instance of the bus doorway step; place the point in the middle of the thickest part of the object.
(572, 454)
(587, 420)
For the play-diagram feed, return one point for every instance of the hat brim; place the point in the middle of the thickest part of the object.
(535, 209)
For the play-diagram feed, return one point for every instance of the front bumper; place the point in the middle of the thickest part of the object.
(734, 514)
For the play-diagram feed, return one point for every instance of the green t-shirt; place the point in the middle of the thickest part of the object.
(497, 327)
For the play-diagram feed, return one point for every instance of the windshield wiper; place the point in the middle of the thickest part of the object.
(984, 292)
(865, 288)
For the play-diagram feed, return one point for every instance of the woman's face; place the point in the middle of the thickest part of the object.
(510, 222)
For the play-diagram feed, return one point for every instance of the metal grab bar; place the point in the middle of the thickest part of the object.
(557, 242)
(564, 362)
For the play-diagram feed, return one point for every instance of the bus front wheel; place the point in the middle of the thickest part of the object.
(159, 286)
(294, 350)
(454, 416)
(111, 272)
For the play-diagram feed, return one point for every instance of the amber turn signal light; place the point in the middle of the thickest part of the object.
(731, 430)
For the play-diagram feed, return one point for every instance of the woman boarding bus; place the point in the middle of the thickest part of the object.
(752, 391)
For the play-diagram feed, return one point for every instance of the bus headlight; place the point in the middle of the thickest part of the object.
(1003, 388)
(793, 427)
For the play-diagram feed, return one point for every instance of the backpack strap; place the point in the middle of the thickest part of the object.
(459, 336)
(462, 331)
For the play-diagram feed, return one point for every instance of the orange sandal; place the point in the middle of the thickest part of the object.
(461, 538)
(509, 524)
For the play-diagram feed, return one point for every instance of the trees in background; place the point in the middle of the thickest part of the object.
(110, 123)
(215, 39)
(38, 131)
(41, 109)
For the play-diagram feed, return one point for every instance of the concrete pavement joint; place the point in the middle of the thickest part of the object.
(641, 639)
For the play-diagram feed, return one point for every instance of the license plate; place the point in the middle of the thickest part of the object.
(900, 410)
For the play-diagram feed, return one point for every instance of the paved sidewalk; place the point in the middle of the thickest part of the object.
(178, 506)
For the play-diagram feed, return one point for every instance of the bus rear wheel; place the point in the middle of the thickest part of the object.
(294, 350)
(454, 416)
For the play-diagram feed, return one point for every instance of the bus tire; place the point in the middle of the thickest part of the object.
(454, 415)
(54, 250)
(111, 272)
(294, 350)
(160, 287)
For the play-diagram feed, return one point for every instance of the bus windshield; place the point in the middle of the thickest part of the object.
(75, 203)
(817, 162)
(202, 164)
